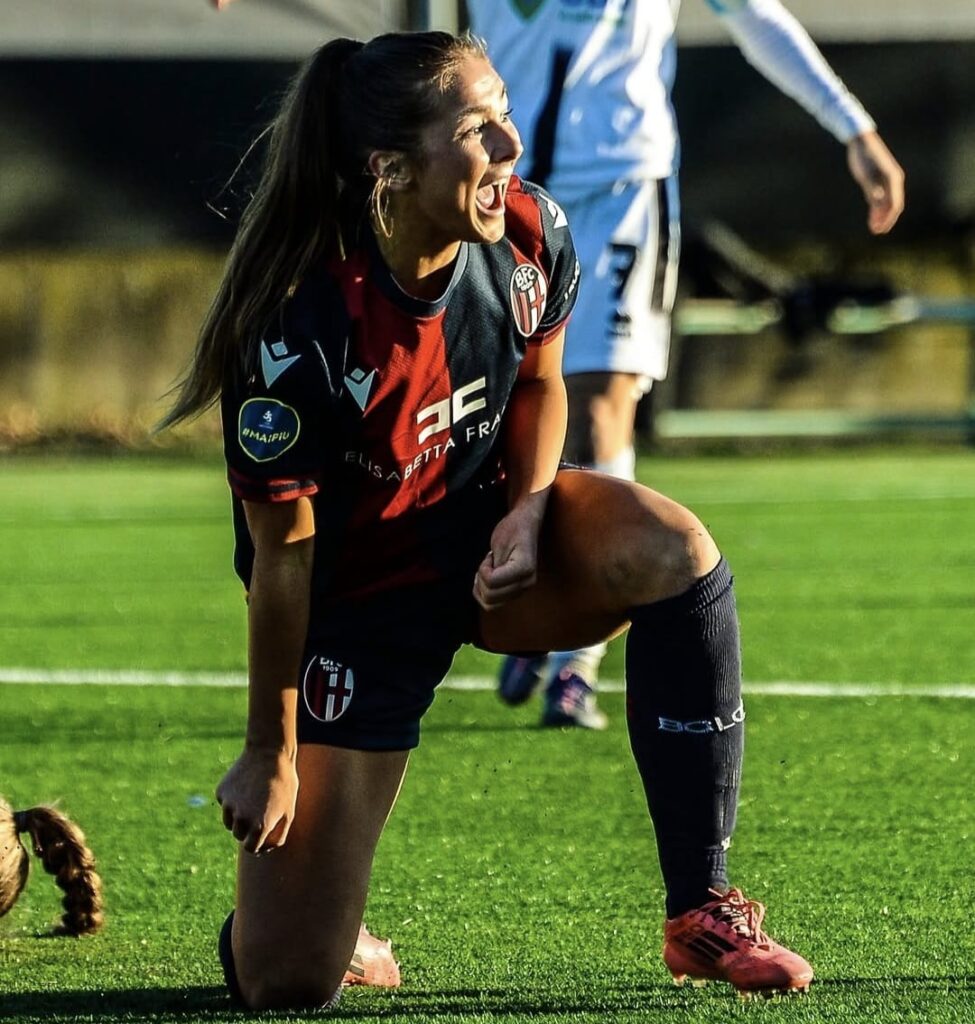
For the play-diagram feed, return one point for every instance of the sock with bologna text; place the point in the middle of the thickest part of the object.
(686, 723)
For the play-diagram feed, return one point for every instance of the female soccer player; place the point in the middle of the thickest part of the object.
(61, 846)
(386, 346)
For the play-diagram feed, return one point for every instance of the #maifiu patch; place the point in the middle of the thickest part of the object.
(267, 428)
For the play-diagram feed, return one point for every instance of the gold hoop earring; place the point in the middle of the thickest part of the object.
(380, 206)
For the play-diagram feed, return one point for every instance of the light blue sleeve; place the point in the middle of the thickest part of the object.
(774, 43)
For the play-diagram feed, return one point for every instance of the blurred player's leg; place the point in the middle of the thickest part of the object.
(521, 675)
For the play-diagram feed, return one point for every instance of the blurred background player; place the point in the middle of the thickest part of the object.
(590, 86)
(60, 845)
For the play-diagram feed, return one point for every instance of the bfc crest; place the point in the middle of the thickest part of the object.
(327, 689)
(528, 291)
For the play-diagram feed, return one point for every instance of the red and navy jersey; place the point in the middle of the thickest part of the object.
(386, 409)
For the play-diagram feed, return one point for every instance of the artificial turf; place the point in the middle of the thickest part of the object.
(517, 876)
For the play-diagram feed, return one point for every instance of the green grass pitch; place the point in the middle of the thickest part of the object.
(517, 876)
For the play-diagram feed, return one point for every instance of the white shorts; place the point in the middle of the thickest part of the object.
(628, 244)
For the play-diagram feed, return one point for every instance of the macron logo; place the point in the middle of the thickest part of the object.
(359, 384)
(275, 360)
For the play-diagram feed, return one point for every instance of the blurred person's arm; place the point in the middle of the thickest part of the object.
(774, 42)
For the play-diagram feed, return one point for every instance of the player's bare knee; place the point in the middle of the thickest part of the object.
(662, 558)
(276, 987)
(275, 978)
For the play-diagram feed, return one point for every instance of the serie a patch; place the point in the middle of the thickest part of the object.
(266, 428)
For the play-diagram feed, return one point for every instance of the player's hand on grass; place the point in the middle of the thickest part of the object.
(512, 563)
(880, 176)
(258, 796)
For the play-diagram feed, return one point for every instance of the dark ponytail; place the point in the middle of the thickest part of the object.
(292, 218)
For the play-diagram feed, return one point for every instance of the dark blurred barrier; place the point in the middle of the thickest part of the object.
(115, 209)
(132, 152)
(99, 154)
(756, 162)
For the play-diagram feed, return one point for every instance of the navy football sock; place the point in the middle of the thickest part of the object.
(686, 724)
(226, 951)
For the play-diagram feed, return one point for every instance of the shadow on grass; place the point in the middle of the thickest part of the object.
(157, 1003)
(175, 1004)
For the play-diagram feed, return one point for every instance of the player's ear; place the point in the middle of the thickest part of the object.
(391, 167)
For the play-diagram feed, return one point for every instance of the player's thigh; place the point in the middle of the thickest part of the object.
(606, 546)
(299, 907)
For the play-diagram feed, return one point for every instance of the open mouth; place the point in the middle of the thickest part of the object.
(490, 198)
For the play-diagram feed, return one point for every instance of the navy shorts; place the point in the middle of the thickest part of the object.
(371, 665)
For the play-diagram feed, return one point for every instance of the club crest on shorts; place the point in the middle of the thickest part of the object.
(528, 291)
(327, 689)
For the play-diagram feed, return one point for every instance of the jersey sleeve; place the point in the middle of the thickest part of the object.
(559, 261)
(276, 418)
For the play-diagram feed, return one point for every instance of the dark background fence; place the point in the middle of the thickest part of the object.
(120, 189)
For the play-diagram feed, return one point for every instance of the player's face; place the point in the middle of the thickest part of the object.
(468, 156)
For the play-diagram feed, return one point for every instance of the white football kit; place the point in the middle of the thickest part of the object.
(590, 83)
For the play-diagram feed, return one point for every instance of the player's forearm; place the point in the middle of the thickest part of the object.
(780, 48)
(278, 609)
(535, 424)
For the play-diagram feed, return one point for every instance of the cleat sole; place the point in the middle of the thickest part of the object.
(680, 980)
(747, 995)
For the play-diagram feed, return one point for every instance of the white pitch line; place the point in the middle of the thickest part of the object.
(136, 677)
(119, 677)
(216, 515)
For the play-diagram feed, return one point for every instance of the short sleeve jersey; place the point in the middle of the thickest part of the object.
(386, 409)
